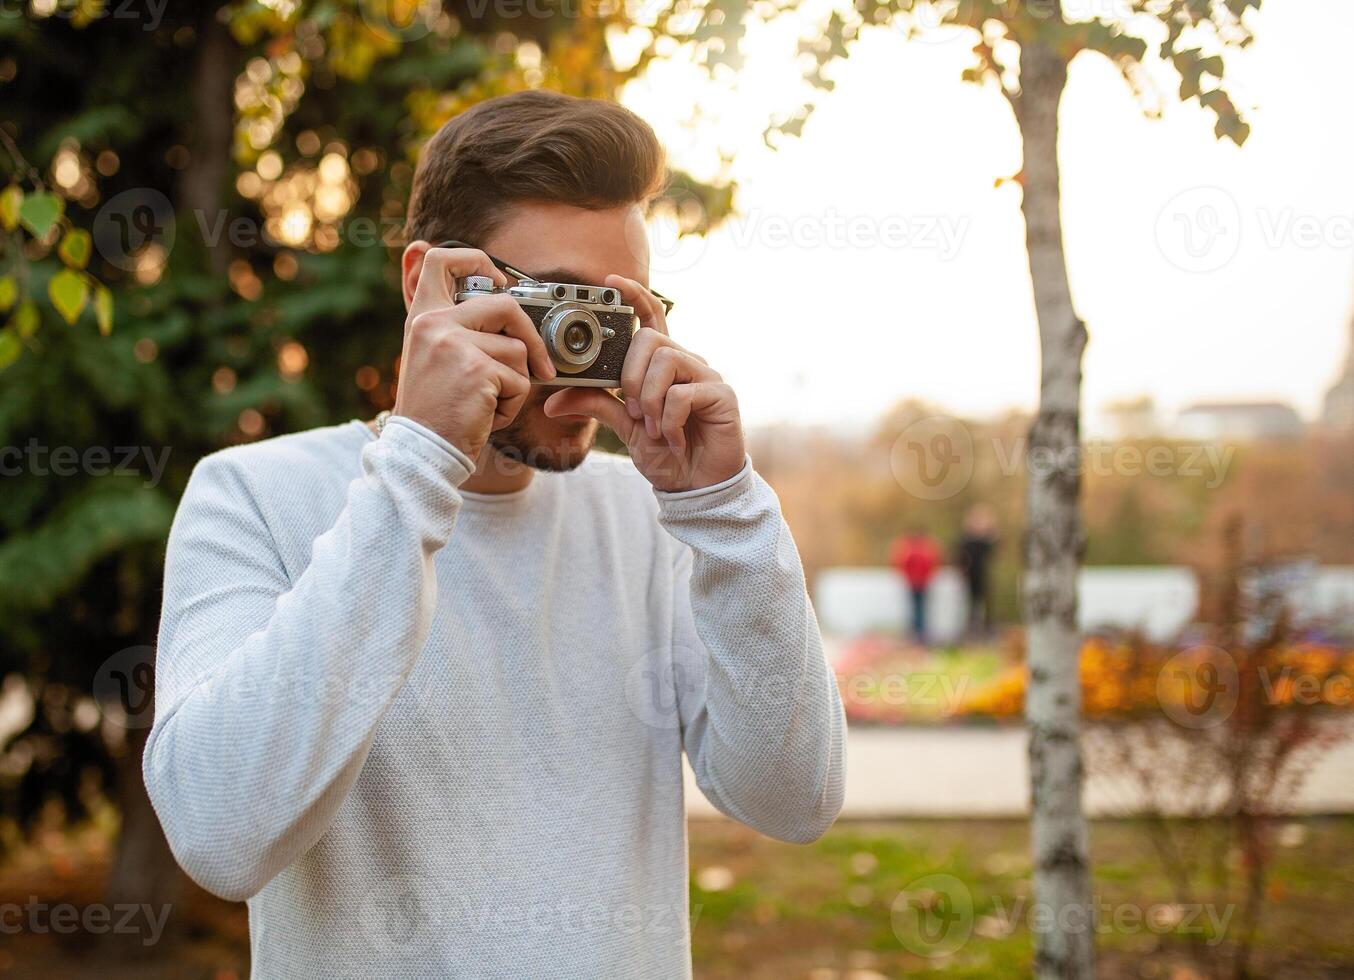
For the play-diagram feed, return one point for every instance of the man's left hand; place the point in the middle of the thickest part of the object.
(679, 419)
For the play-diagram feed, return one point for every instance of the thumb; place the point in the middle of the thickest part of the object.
(592, 402)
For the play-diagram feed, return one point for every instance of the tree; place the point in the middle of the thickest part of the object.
(1023, 50)
(198, 251)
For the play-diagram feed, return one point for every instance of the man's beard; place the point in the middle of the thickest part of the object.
(552, 445)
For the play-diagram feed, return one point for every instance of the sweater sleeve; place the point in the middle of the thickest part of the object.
(269, 691)
(762, 721)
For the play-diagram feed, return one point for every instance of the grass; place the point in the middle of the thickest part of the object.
(762, 909)
(827, 911)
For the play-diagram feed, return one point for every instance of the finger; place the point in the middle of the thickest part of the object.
(636, 294)
(513, 388)
(506, 350)
(671, 423)
(636, 367)
(711, 401)
(594, 403)
(667, 366)
(441, 268)
(502, 314)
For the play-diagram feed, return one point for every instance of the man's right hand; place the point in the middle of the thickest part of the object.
(464, 368)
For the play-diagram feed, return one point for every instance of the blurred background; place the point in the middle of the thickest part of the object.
(884, 218)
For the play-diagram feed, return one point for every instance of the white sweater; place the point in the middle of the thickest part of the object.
(429, 733)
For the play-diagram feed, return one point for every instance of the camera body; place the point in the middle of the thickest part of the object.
(586, 329)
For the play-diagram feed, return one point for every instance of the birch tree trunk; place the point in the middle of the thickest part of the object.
(1053, 545)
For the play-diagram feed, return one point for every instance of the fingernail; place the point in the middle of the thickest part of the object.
(651, 427)
(632, 406)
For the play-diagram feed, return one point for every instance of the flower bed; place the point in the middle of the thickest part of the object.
(884, 680)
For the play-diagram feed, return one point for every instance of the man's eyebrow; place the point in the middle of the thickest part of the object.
(563, 275)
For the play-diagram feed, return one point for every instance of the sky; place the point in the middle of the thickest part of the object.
(875, 259)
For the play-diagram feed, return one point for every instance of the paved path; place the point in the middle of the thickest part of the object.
(983, 772)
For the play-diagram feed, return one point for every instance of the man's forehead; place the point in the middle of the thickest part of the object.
(561, 243)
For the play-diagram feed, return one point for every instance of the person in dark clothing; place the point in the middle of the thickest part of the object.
(976, 546)
(916, 555)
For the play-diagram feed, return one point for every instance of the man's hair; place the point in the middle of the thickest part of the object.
(530, 146)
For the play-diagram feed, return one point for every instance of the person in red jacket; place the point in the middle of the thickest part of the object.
(916, 555)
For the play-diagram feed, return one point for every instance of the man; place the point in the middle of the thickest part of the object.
(915, 555)
(977, 543)
(422, 696)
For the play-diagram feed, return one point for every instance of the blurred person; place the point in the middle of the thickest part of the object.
(916, 556)
(423, 680)
(977, 543)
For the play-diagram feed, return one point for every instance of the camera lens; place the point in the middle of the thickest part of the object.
(577, 337)
(573, 336)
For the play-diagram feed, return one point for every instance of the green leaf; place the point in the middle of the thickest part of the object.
(25, 319)
(103, 309)
(39, 212)
(9, 292)
(10, 200)
(37, 567)
(10, 348)
(69, 292)
(74, 248)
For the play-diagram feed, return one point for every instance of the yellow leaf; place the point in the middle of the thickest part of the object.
(9, 292)
(10, 200)
(10, 348)
(74, 248)
(103, 309)
(25, 319)
(69, 292)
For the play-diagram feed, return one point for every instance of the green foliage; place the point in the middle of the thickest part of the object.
(69, 286)
(170, 331)
(38, 567)
(39, 213)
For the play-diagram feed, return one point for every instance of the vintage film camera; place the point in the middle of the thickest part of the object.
(586, 329)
